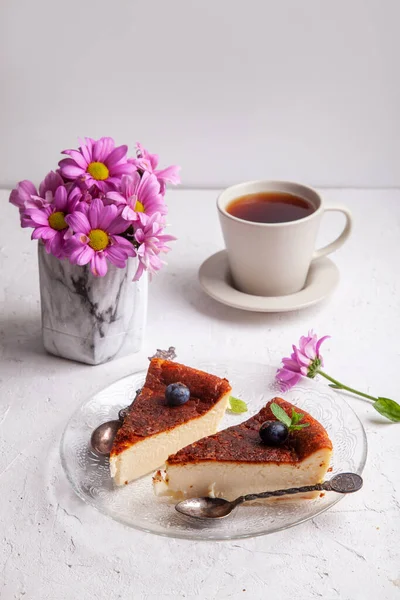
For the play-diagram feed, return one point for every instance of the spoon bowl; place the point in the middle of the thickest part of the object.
(103, 436)
(205, 508)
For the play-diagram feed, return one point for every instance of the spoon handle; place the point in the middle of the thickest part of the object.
(318, 487)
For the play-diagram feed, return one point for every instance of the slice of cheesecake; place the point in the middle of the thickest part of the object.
(235, 461)
(152, 430)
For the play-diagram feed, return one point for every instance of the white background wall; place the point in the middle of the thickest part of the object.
(229, 89)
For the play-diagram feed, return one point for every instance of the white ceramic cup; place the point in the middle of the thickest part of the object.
(273, 259)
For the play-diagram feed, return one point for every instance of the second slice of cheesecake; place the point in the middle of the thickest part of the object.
(235, 461)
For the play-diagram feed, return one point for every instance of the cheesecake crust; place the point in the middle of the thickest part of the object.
(242, 443)
(150, 414)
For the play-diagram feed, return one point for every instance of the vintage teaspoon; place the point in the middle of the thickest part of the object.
(218, 508)
(102, 438)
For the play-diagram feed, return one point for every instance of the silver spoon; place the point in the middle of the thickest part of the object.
(102, 438)
(218, 508)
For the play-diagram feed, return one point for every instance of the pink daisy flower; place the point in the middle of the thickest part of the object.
(149, 162)
(140, 195)
(96, 162)
(149, 235)
(304, 361)
(48, 220)
(26, 195)
(96, 240)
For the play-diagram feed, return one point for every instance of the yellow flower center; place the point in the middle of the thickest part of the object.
(98, 171)
(57, 221)
(98, 239)
(139, 206)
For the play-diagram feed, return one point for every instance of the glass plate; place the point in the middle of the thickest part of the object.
(136, 505)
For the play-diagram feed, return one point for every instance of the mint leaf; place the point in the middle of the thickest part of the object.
(297, 427)
(280, 414)
(236, 405)
(388, 408)
(296, 417)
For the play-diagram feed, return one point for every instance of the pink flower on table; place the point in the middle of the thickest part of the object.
(152, 242)
(303, 362)
(149, 162)
(96, 162)
(138, 195)
(96, 240)
(48, 219)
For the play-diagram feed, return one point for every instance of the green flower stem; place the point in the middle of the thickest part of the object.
(345, 387)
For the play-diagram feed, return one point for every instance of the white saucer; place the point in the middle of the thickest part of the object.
(215, 280)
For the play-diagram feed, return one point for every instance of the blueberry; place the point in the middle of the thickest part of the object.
(177, 394)
(274, 433)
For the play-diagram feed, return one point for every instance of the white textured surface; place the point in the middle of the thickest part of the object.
(303, 90)
(53, 547)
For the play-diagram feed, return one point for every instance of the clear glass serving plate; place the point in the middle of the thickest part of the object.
(135, 505)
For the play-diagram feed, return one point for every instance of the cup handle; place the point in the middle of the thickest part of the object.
(342, 237)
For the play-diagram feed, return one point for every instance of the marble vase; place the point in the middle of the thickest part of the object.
(91, 319)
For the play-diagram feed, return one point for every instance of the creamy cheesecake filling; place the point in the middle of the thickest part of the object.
(232, 479)
(152, 451)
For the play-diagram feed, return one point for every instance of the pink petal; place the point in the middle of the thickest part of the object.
(287, 379)
(122, 169)
(320, 341)
(116, 155)
(60, 198)
(117, 257)
(129, 215)
(23, 192)
(50, 183)
(291, 365)
(116, 197)
(102, 148)
(85, 256)
(73, 254)
(124, 245)
(38, 216)
(78, 158)
(56, 245)
(38, 233)
(309, 349)
(95, 212)
(70, 169)
(130, 184)
(118, 225)
(99, 264)
(86, 148)
(170, 174)
(107, 216)
(139, 271)
(78, 222)
(301, 359)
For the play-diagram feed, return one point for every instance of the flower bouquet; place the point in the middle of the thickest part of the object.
(100, 220)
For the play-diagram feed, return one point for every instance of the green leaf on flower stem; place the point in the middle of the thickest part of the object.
(388, 408)
(334, 386)
(280, 414)
(236, 405)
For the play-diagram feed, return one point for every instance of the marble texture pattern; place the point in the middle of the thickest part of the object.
(90, 319)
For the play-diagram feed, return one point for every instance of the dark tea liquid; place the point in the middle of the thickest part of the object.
(270, 207)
